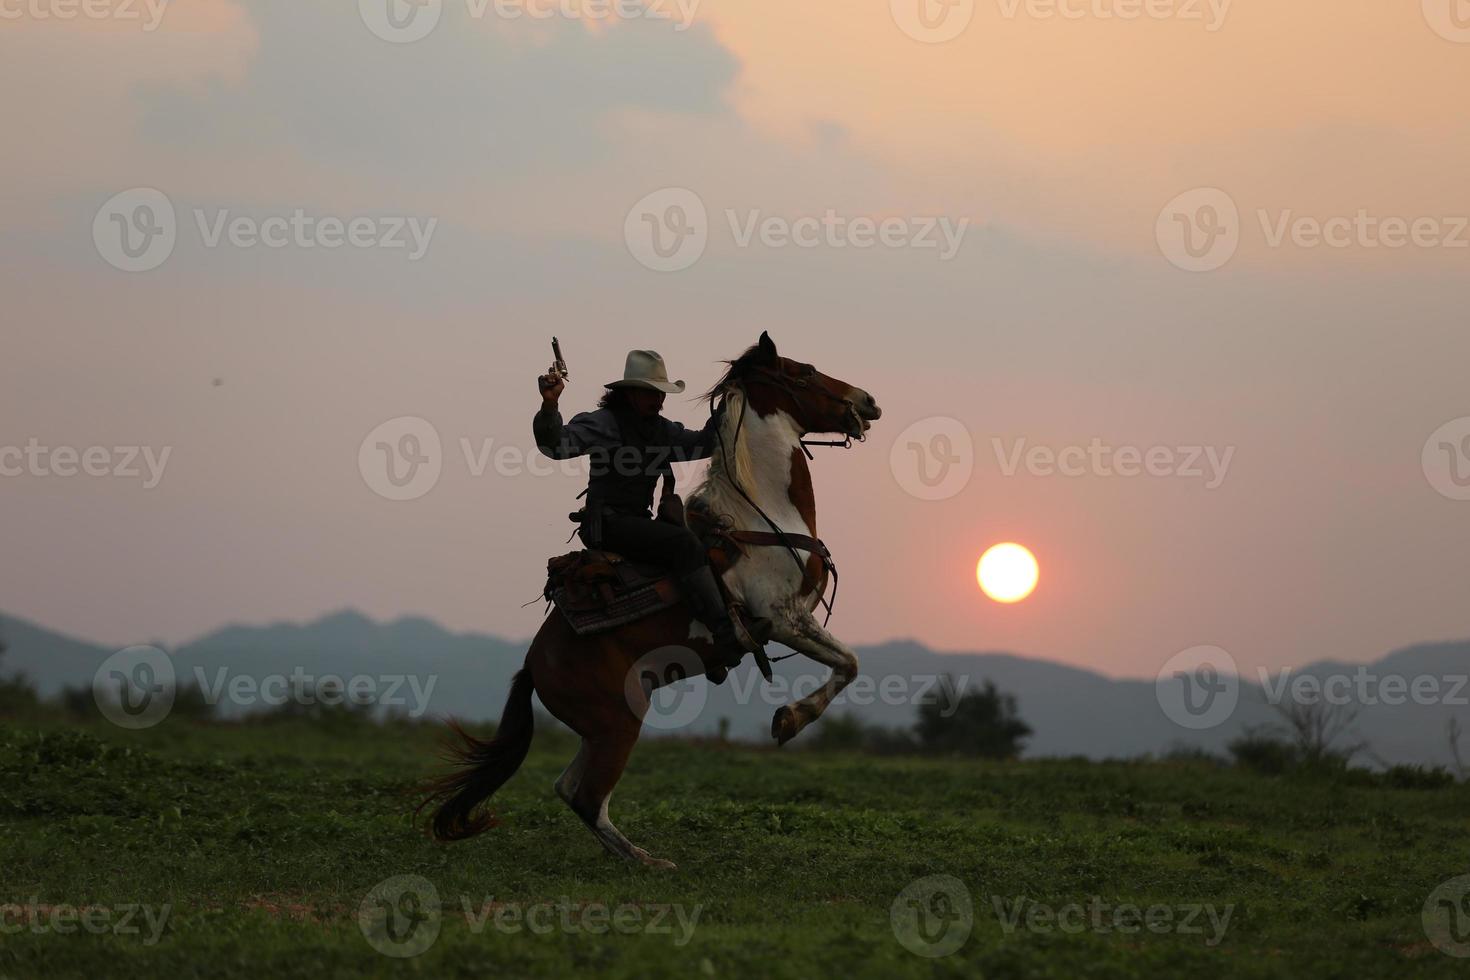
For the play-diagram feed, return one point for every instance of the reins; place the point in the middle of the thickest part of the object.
(828, 564)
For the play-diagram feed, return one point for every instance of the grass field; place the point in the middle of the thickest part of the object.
(218, 850)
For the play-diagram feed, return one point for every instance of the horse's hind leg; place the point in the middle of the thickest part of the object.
(603, 758)
(566, 784)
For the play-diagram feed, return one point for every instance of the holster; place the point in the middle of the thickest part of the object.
(590, 519)
(670, 507)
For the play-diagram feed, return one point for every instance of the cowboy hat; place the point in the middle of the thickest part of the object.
(645, 369)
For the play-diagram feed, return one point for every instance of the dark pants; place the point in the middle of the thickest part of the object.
(655, 542)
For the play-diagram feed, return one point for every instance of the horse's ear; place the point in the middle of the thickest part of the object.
(767, 348)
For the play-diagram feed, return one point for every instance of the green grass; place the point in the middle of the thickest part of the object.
(264, 839)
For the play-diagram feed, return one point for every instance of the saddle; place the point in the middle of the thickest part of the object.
(598, 590)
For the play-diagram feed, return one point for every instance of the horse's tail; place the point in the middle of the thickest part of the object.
(481, 767)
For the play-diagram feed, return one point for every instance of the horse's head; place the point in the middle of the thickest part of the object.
(815, 402)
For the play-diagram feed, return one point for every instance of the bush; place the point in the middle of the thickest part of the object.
(1418, 777)
(984, 723)
(1263, 753)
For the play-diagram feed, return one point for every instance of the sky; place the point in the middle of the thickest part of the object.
(240, 243)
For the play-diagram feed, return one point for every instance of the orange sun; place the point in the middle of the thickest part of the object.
(1007, 572)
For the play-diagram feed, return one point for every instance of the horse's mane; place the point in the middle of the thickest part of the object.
(730, 453)
(716, 490)
(736, 371)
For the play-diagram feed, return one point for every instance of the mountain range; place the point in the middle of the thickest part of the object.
(433, 672)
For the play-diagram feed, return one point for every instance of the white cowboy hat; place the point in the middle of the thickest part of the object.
(645, 369)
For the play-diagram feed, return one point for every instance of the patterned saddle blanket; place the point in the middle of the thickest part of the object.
(599, 590)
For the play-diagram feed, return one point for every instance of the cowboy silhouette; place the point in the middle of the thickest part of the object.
(631, 447)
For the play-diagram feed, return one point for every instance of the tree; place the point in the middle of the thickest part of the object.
(17, 694)
(984, 723)
(1315, 725)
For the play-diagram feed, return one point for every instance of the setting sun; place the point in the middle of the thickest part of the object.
(1007, 572)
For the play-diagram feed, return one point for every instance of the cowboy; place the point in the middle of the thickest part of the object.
(631, 446)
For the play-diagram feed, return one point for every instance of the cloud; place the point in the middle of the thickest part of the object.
(1084, 126)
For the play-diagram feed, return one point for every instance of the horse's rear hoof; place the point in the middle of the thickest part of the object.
(784, 725)
(652, 862)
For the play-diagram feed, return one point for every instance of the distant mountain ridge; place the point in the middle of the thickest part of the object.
(1072, 710)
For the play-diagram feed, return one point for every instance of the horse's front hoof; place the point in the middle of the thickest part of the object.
(784, 725)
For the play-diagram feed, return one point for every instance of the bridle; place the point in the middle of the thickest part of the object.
(796, 387)
(791, 386)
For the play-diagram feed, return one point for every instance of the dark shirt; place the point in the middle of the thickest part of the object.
(627, 454)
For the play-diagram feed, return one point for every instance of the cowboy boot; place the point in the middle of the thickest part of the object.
(731, 639)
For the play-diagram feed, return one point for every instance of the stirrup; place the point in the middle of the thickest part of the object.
(750, 645)
(752, 637)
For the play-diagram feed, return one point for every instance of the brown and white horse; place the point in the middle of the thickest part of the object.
(759, 462)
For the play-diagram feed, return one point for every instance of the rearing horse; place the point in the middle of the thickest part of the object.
(758, 476)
